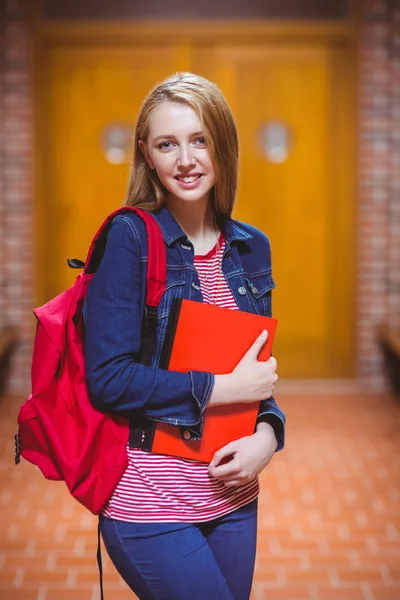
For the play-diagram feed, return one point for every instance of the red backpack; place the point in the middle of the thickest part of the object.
(59, 429)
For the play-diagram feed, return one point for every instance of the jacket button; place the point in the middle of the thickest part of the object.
(187, 435)
(186, 247)
(254, 289)
(242, 290)
(196, 287)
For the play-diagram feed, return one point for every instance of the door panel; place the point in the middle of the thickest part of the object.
(303, 204)
(90, 90)
(292, 201)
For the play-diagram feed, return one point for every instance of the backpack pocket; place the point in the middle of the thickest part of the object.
(31, 442)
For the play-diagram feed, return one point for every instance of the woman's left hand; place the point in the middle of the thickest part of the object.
(248, 457)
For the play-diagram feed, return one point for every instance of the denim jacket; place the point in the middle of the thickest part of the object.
(114, 307)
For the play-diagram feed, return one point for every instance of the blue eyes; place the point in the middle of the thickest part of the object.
(166, 145)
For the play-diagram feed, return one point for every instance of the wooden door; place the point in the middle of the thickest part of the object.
(304, 204)
(89, 91)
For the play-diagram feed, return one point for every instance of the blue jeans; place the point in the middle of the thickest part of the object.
(178, 561)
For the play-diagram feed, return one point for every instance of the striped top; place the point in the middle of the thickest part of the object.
(159, 488)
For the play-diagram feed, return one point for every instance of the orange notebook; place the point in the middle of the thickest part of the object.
(202, 337)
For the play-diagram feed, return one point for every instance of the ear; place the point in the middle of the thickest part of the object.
(144, 148)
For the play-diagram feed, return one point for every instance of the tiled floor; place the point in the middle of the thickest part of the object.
(329, 522)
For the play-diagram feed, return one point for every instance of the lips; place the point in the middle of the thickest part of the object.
(188, 178)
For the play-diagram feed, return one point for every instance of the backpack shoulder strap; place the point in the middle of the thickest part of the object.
(157, 262)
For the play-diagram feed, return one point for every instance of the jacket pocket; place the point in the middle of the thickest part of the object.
(260, 286)
(176, 279)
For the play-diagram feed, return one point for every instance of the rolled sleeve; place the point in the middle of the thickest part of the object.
(269, 412)
(202, 387)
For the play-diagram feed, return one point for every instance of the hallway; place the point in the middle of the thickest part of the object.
(329, 526)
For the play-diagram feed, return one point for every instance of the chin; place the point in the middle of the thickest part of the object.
(189, 195)
(192, 197)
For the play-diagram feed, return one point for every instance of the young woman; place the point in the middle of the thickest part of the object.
(179, 529)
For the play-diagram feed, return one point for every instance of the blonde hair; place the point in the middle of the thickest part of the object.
(206, 99)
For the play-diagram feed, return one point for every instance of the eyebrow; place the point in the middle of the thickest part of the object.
(170, 135)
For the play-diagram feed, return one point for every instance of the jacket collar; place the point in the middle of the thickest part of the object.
(172, 231)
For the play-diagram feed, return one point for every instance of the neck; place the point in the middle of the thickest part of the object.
(196, 219)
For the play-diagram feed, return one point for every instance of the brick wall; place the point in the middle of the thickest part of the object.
(378, 264)
(16, 204)
(378, 230)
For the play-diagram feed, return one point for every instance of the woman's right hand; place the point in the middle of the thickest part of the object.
(250, 381)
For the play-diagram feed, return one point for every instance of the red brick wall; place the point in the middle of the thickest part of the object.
(378, 264)
(378, 230)
(16, 203)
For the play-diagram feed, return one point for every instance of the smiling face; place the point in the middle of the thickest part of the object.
(176, 148)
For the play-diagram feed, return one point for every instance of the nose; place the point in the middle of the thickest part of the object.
(185, 159)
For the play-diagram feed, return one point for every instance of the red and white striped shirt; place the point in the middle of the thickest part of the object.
(158, 488)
